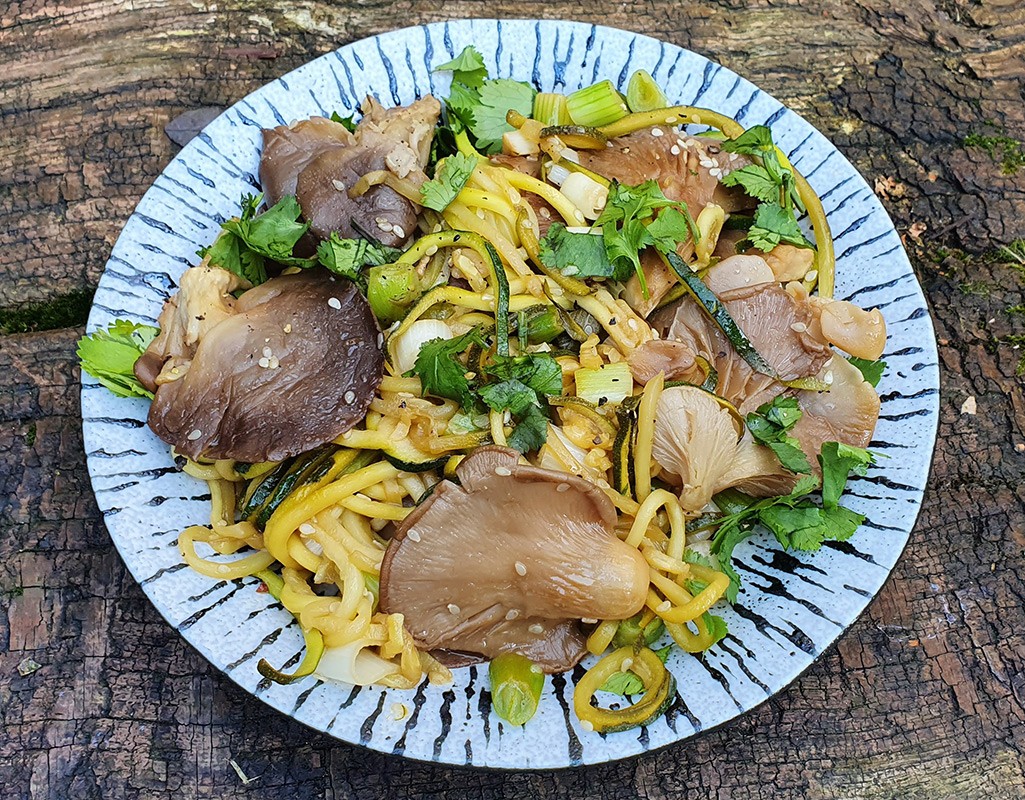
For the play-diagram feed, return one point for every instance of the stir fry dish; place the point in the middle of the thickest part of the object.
(507, 380)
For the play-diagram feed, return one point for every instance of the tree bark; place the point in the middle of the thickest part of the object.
(923, 698)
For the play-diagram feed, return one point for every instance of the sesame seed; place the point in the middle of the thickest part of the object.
(535, 668)
(385, 226)
(812, 275)
(195, 434)
(828, 377)
(349, 396)
(656, 132)
(512, 614)
(632, 324)
(306, 529)
(675, 149)
(224, 569)
(670, 120)
(264, 362)
(664, 606)
(339, 186)
(273, 363)
(589, 620)
(562, 487)
(587, 726)
(521, 568)
(453, 608)
(799, 327)
(536, 628)
(334, 302)
(601, 483)
(503, 471)
(627, 663)
(413, 536)
(399, 231)
(267, 352)
(288, 328)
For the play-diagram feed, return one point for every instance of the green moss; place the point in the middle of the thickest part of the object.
(1016, 340)
(974, 288)
(65, 311)
(30, 435)
(1008, 152)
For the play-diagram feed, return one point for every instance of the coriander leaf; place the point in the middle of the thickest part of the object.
(228, 252)
(806, 527)
(496, 99)
(343, 257)
(467, 68)
(511, 395)
(539, 371)
(838, 461)
(440, 371)
(448, 181)
(350, 126)
(871, 371)
(531, 431)
(274, 233)
(717, 626)
(726, 539)
(462, 103)
(578, 254)
(110, 355)
(691, 556)
(627, 683)
(774, 225)
(769, 426)
(751, 142)
(756, 181)
(669, 228)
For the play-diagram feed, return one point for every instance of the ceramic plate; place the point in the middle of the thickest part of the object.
(792, 607)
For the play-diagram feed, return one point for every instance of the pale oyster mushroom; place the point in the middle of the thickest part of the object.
(508, 561)
(847, 413)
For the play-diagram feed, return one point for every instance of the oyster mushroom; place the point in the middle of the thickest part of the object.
(508, 561)
(847, 413)
(295, 366)
(698, 444)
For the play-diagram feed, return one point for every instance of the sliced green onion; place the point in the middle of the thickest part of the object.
(550, 109)
(596, 105)
(631, 633)
(643, 94)
(611, 383)
(541, 324)
(392, 289)
(516, 685)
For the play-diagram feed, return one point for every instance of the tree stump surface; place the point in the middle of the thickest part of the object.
(923, 698)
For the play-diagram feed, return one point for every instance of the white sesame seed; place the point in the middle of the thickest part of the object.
(562, 487)
(589, 620)
(664, 606)
(264, 362)
(349, 396)
(812, 275)
(670, 120)
(521, 568)
(306, 529)
(512, 614)
(627, 663)
(288, 328)
(681, 144)
(224, 569)
(587, 726)
(601, 483)
(656, 132)
(267, 352)
(399, 231)
(273, 363)
(385, 226)
(545, 213)
(505, 472)
(715, 172)
(339, 186)
(413, 536)
(799, 327)
(828, 377)
(675, 149)
(195, 434)
(536, 669)
(334, 302)
(632, 324)
(536, 628)
(453, 608)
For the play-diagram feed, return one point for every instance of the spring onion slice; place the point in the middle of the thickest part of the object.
(659, 690)
(516, 686)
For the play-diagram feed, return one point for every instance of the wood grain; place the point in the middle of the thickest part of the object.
(924, 698)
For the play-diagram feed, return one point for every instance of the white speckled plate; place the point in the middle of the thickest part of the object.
(791, 608)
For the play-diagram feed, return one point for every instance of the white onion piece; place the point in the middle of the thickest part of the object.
(353, 663)
(406, 348)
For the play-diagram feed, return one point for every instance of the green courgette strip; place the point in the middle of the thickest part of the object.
(489, 256)
(659, 690)
(313, 638)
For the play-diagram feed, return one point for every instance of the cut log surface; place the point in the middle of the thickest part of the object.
(923, 698)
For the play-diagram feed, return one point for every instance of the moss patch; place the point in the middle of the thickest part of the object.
(66, 311)
(1007, 152)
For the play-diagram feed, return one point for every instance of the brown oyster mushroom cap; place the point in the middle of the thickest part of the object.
(507, 561)
(288, 149)
(234, 401)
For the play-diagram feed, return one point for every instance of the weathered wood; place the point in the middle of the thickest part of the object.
(924, 698)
